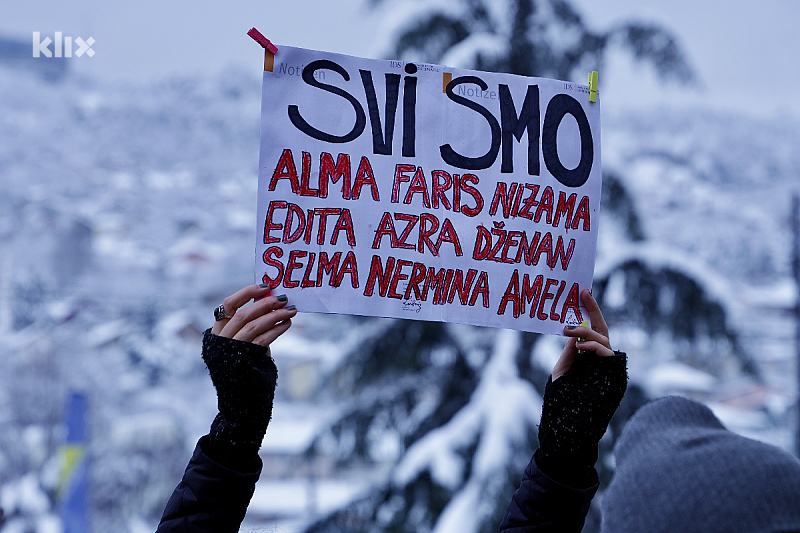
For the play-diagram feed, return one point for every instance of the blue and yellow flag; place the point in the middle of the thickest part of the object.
(73, 486)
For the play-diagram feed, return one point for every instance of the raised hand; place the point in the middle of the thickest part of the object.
(264, 320)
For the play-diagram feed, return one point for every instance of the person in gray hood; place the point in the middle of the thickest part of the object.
(678, 469)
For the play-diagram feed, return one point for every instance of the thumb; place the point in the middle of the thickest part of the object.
(568, 355)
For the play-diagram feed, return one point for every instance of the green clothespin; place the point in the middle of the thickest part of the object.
(593, 86)
(585, 323)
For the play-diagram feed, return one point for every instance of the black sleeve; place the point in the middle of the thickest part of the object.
(210, 498)
(221, 476)
(543, 504)
(245, 377)
(560, 481)
(576, 411)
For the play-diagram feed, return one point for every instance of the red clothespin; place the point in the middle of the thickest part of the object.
(269, 49)
(263, 41)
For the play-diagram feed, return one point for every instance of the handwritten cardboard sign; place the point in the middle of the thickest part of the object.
(419, 191)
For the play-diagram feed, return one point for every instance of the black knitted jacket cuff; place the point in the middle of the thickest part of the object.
(575, 414)
(245, 377)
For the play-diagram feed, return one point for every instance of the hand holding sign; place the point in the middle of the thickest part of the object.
(584, 339)
(264, 320)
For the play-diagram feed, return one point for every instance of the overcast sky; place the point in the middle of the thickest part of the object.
(746, 54)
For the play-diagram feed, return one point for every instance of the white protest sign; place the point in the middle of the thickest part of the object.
(420, 191)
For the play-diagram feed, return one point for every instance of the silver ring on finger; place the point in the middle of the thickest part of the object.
(220, 314)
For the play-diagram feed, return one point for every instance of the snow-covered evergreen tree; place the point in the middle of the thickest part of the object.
(545, 38)
(463, 403)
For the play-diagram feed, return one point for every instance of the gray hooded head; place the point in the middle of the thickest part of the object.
(679, 469)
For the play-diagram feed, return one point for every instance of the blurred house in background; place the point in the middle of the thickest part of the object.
(17, 54)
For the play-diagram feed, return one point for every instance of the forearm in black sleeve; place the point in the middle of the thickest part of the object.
(210, 498)
(560, 481)
(221, 476)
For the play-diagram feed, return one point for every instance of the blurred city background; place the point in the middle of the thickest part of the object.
(127, 213)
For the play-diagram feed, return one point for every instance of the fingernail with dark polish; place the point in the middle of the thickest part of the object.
(282, 298)
(570, 327)
(264, 285)
(290, 307)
